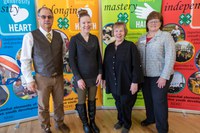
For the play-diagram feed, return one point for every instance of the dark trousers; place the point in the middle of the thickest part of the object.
(124, 105)
(156, 103)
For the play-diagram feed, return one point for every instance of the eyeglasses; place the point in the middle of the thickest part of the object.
(44, 17)
(154, 22)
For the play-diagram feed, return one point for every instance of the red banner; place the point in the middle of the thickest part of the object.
(181, 19)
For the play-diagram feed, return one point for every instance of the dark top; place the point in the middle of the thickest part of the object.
(121, 68)
(85, 59)
(47, 58)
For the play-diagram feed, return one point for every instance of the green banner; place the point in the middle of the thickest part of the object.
(133, 13)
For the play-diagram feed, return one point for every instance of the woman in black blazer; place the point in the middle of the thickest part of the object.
(86, 64)
(123, 73)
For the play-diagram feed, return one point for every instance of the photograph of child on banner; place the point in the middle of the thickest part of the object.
(20, 90)
(194, 83)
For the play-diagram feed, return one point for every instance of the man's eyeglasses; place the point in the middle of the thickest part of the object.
(154, 22)
(44, 17)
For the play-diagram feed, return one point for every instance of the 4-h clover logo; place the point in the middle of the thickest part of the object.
(185, 19)
(63, 23)
(123, 17)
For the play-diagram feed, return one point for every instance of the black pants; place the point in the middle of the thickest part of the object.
(156, 103)
(124, 105)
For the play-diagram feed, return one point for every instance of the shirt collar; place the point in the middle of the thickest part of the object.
(44, 32)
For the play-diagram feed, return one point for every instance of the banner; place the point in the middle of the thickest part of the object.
(133, 13)
(184, 26)
(181, 19)
(16, 101)
(66, 22)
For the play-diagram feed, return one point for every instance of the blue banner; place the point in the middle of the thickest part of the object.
(16, 101)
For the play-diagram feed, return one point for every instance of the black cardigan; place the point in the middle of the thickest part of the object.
(85, 59)
(121, 68)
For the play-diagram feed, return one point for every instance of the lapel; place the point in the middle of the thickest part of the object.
(156, 36)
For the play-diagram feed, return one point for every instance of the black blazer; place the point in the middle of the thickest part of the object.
(85, 59)
(121, 68)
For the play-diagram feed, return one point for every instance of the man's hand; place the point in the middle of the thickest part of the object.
(32, 86)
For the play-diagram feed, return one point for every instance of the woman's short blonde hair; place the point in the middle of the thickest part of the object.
(119, 24)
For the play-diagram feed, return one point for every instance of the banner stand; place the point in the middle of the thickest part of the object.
(17, 122)
(184, 111)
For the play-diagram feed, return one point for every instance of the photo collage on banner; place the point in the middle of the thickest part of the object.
(184, 26)
(18, 17)
(134, 14)
(16, 101)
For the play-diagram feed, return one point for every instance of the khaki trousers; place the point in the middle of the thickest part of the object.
(82, 94)
(55, 87)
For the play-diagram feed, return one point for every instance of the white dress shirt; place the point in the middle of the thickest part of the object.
(26, 54)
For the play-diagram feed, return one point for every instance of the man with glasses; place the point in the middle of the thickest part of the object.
(45, 48)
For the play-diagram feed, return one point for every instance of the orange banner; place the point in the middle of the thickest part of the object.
(66, 22)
